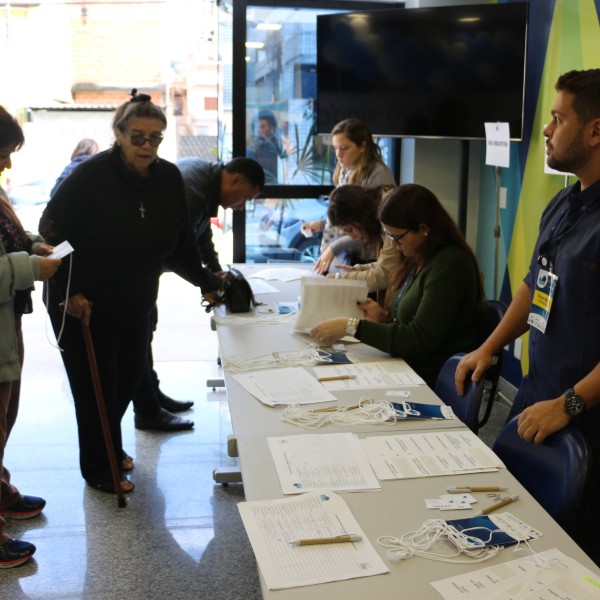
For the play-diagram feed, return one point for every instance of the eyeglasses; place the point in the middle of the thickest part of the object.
(139, 140)
(396, 238)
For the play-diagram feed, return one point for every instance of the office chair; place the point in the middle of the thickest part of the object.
(492, 315)
(554, 472)
(465, 407)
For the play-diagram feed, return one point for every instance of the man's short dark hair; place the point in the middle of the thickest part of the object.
(585, 87)
(249, 168)
(269, 117)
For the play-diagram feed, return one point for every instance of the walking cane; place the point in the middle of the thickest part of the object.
(89, 346)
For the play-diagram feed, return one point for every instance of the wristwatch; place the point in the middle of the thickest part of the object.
(351, 326)
(574, 405)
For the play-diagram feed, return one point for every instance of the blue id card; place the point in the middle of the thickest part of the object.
(543, 295)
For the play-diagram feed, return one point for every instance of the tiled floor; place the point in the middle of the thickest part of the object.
(180, 537)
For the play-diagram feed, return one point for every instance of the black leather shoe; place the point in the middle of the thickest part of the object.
(163, 420)
(174, 406)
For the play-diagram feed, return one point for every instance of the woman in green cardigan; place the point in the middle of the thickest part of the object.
(435, 295)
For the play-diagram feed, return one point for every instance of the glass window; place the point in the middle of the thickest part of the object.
(273, 229)
(281, 89)
(275, 123)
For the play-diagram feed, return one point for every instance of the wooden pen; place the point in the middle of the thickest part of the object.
(464, 489)
(497, 505)
(338, 539)
(337, 378)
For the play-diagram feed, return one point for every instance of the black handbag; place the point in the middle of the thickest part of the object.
(237, 293)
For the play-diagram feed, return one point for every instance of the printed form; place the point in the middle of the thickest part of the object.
(546, 576)
(389, 373)
(334, 461)
(280, 387)
(272, 525)
(323, 298)
(429, 454)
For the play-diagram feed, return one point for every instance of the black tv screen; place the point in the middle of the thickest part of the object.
(424, 72)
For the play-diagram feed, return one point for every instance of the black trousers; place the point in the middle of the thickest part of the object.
(146, 400)
(120, 350)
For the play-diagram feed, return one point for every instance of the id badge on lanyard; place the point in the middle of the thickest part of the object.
(541, 305)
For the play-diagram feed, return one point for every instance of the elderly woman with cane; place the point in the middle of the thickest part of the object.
(124, 212)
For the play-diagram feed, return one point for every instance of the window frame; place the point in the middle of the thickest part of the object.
(239, 107)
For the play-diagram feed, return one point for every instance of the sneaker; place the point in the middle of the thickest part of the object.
(25, 508)
(14, 553)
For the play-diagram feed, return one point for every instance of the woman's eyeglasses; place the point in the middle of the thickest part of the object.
(139, 140)
(395, 237)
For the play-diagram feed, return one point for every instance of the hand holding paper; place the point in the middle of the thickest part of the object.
(62, 250)
(328, 332)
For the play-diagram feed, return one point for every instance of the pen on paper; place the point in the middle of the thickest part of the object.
(337, 378)
(338, 539)
(497, 505)
(465, 489)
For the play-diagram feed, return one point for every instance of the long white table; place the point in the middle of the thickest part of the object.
(252, 418)
(398, 508)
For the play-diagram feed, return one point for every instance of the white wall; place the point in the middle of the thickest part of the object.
(436, 165)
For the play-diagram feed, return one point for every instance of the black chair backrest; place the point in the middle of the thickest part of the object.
(465, 407)
(554, 472)
(493, 312)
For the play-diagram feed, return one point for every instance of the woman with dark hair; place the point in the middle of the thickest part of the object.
(22, 261)
(83, 150)
(124, 212)
(359, 162)
(354, 211)
(435, 295)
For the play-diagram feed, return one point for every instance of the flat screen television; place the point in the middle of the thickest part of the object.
(424, 72)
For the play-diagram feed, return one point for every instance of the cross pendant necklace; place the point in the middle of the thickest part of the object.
(142, 210)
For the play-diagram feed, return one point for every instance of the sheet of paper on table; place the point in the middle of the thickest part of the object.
(281, 274)
(272, 524)
(259, 286)
(385, 374)
(280, 387)
(429, 454)
(335, 461)
(546, 576)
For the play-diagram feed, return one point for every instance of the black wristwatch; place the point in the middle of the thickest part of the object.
(574, 405)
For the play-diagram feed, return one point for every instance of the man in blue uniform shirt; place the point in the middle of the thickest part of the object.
(563, 383)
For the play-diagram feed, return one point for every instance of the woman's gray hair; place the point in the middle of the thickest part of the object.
(140, 105)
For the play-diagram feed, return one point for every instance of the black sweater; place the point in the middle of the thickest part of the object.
(120, 254)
